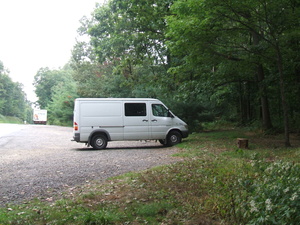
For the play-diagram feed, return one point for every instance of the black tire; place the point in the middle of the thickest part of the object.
(174, 138)
(99, 141)
(162, 141)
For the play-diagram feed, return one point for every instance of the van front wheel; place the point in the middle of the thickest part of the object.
(99, 141)
(174, 138)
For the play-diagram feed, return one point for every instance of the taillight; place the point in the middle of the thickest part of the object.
(75, 126)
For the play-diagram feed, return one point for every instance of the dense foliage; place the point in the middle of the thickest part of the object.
(246, 52)
(207, 60)
(56, 90)
(13, 101)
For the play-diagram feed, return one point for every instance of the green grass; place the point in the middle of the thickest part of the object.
(10, 119)
(217, 183)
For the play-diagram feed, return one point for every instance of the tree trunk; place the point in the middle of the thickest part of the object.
(283, 99)
(266, 119)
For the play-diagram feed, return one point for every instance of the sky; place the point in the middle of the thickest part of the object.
(39, 33)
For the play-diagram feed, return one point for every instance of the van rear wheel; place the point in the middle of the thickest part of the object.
(99, 141)
(174, 138)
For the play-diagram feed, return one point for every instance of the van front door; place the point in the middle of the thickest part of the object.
(161, 121)
(136, 121)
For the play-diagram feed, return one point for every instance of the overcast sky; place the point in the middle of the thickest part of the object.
(38, 33)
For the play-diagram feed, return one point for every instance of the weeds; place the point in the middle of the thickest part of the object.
(10, 119)
(273, 196)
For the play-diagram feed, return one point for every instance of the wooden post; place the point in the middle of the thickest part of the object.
(242, 143)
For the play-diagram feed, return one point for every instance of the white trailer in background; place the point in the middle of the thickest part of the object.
(39, 116)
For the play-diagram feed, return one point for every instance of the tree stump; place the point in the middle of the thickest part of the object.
(242, 143)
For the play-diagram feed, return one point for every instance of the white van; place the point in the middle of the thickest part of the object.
(99, 120)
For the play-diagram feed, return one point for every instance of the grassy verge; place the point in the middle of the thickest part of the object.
(217, 183)
(10, 119)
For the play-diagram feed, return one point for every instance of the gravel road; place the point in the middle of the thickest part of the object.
(37, 158)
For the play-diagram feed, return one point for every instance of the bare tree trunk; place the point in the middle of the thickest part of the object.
(266, 119)
(283, 99)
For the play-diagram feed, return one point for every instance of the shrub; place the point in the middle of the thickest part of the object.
(272, 195)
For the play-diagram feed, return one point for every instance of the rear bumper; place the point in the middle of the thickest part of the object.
(76, 137)
(40, 122)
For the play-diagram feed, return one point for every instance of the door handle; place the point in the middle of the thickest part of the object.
(145, 120)
(155, 120)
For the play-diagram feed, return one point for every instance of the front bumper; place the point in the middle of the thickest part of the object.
(185, 134)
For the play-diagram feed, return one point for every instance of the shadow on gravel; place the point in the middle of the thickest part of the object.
(119, 148)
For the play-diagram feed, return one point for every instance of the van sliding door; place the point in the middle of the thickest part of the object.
(136, 121)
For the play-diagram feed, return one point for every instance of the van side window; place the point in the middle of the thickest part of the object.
(159, 110)
(135, 109)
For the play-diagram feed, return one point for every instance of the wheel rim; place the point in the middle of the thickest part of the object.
(99, 142)
(174, 138)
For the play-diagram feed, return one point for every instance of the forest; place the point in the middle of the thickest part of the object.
(208, 60)
(13, 101)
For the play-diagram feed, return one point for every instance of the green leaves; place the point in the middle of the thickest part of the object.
(56, 90)
(246, 44)
(61, 106)
(13, 100)
(129, 30)
(44, 81)
(273, 196)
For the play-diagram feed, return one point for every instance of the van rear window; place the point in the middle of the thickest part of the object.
(135, 109)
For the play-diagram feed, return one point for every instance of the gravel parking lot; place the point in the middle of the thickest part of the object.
(37, 158)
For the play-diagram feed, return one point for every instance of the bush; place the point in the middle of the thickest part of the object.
(10, 119)
(271, 195)
(193, 113)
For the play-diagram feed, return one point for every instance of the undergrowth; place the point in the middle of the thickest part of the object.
(217, 183)
(10, 119)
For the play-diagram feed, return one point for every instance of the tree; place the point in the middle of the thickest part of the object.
(127, 49)
(229, 57)
(93, 78)
(230, 41)
(131, 30)
(44, 81)
(12, 97)
(61, 106)
(57, 91)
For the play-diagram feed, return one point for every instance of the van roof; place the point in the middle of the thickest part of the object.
(116, 99)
